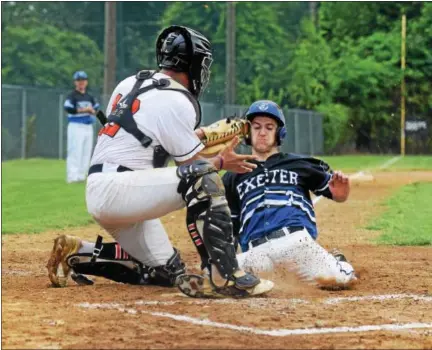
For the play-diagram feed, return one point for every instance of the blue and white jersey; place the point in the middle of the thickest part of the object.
(276, 195)
(76, 100)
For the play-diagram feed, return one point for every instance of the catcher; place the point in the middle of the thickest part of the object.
(289, 238)
(271, 207)
(151, 117)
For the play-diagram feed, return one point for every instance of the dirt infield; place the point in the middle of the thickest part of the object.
(391, 307)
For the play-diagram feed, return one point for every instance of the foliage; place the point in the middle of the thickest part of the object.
(354, 61)
(262, 51)
(311, 70)
(47, 56)
(348, 66)
(337, 130)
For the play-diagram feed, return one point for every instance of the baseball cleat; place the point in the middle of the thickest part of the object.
(338, 255)
(81, 280)
(58, 269)
(196, 286)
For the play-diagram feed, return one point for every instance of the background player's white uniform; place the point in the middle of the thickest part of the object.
(128, 204)
(79, 135)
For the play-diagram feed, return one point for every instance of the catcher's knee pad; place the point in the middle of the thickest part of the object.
(208, 216)
(129, 271)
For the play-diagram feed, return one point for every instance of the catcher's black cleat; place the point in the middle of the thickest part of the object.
(81, 280)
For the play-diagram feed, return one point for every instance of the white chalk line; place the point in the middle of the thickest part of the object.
(361, 173)
(379, 297)
(269, 302)
(272, 332)
(390, 162)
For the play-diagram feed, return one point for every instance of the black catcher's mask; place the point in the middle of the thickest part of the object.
(182, 49)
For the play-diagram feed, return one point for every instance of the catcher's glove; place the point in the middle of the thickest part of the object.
(218, 135)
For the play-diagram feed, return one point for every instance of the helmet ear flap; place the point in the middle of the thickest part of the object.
(247, 137)
(281, 134)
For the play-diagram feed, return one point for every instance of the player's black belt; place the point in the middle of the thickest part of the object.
(97, 168)
(275, 234)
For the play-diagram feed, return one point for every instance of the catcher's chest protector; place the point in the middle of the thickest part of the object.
(123, 113)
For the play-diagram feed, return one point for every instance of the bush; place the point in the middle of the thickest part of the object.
(337, 130)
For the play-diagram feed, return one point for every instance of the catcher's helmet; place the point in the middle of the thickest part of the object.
(185, 50)
(268, 109)
(80, 75)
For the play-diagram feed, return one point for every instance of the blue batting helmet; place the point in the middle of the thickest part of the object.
(80, 75)
(268, 109)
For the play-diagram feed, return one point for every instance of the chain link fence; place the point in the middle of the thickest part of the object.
(34, 124)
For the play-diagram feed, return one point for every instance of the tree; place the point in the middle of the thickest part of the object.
(350, 70)
(262, 46)
(46, 56)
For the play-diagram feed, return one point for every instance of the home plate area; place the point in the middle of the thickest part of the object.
(287, 317)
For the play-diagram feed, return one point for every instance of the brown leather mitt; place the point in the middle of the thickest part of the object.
(218, 135)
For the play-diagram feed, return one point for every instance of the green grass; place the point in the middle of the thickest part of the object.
(408, 219)
(36, 197)
(413, 163)
(368, 162)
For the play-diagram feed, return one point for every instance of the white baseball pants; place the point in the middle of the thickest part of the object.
(129, 204)
(298, 252)
(79, 151)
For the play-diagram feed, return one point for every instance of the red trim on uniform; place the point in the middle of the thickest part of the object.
(109, 129)
(125, 255)
(194, 234)
(135, 106)
(191, 226)
(198, 242)
(116, 100)
(117, 251)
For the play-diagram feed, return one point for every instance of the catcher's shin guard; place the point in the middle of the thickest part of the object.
(125, 270)
(208, 216)
(210, 227)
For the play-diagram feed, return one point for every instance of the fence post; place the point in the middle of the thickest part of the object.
(311, 134)
(23, 123)
(296, 133)
(60, 132)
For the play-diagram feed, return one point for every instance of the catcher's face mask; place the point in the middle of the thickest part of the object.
(200, 76)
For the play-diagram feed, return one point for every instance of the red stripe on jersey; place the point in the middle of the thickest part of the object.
(191, 227)
(198, 242)
(116, 100)
(117, 251)
(125, 255)
(194, 234)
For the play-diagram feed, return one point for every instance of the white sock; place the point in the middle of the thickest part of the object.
(87, 247)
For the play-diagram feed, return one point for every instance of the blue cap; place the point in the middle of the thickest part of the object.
(80, 75)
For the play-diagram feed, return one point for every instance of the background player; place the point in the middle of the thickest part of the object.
(271, 207)
(81, 108)
(153, 116)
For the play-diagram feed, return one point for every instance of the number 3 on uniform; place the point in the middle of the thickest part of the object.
(111, 129)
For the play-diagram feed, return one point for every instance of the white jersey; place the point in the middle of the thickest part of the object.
(167, 117)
